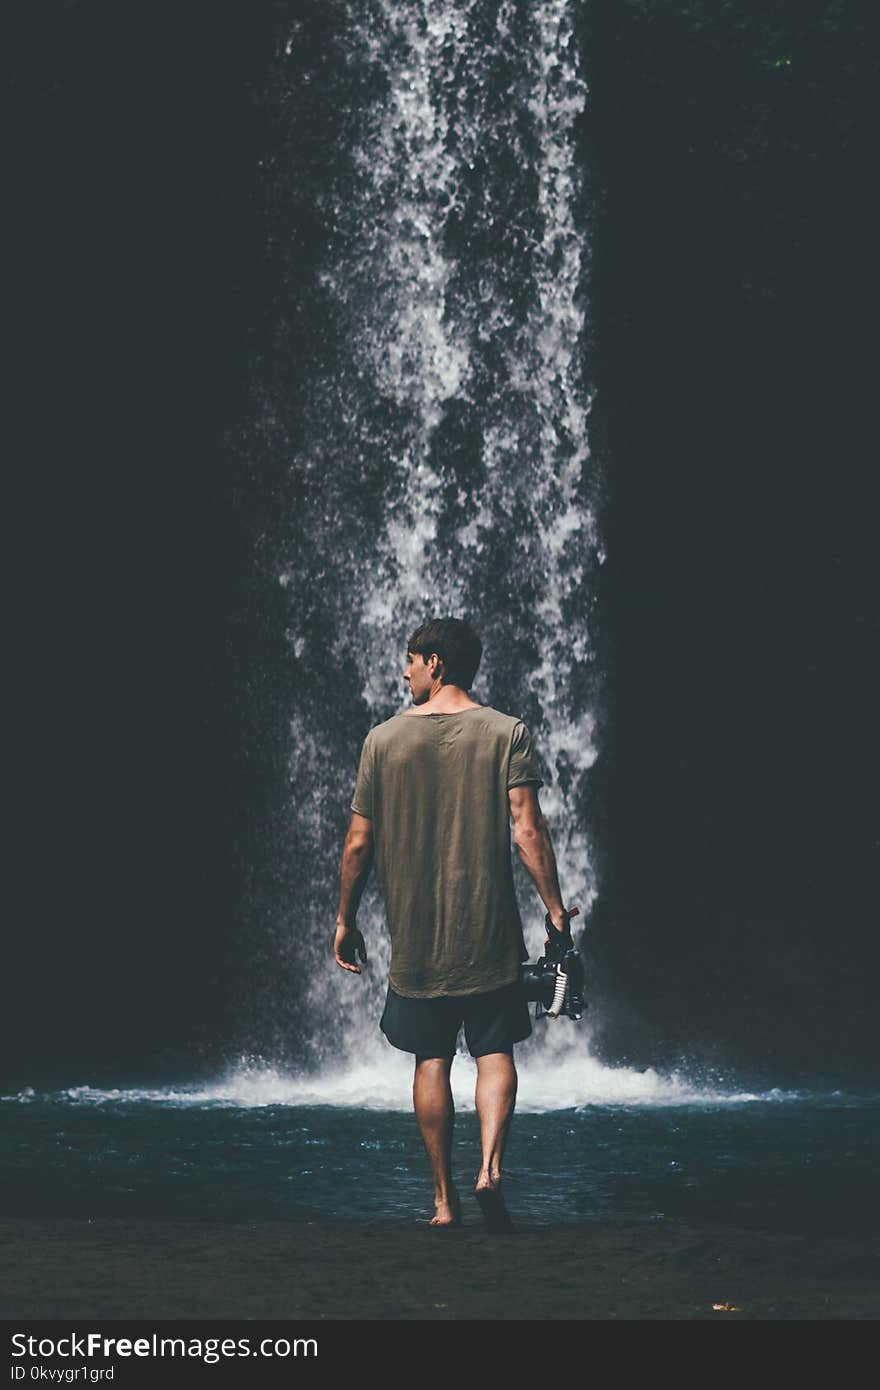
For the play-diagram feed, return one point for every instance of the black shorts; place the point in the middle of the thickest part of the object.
(493, 1022)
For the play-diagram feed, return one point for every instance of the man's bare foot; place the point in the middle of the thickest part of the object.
(487, 1178)
(487, 1191)
(447, 1211)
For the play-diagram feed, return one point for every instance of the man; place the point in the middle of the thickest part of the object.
(436, 787)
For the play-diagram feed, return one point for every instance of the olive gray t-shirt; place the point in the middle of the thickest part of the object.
(435, 787)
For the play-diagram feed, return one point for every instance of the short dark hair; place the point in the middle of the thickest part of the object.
(456, 644)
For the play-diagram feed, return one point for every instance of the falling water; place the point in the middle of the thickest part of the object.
(445, 464)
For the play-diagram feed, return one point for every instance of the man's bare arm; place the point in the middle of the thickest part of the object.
(357, 860)
(532, 839)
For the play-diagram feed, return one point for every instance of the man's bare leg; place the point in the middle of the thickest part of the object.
(435, 1112)
(495, 1100)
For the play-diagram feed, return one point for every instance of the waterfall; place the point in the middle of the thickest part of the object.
(444, 465)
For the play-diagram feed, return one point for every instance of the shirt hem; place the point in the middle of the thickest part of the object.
(444, 992)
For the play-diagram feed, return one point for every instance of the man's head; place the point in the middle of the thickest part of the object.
(444, 651)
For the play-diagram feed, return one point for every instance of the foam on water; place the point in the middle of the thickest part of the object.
(384, 1082)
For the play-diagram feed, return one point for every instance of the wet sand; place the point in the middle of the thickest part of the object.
(120, 1268)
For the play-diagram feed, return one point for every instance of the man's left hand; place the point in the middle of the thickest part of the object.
(558, 934)
(348, 944)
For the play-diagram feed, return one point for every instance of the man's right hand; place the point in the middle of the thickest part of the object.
(348, 944)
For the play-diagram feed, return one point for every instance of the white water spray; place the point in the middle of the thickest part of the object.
(461, 281)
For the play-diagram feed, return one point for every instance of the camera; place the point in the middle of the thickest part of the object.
(556, 981)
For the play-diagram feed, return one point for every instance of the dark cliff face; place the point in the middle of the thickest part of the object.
(734, 301)
(731, 315)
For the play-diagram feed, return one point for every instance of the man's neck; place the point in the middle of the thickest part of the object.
(448, 699)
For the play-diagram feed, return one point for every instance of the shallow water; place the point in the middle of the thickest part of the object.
(256, 1145)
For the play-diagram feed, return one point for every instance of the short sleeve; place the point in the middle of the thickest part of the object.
(362, 799)
(523, 763)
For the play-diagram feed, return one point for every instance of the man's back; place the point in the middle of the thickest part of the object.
(435, 787)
